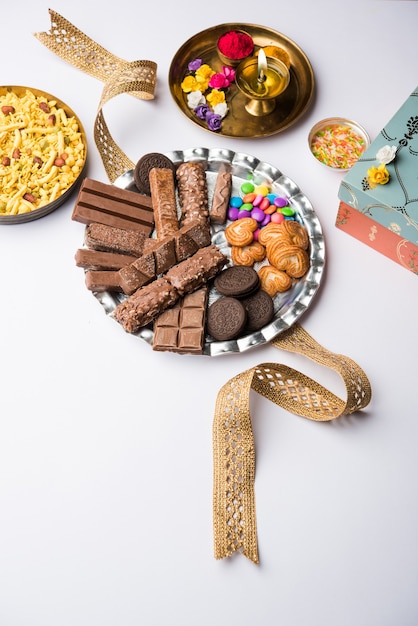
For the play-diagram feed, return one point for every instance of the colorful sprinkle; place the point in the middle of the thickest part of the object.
(338, 146)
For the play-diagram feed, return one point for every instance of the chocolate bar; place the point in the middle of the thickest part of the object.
(137, 274)
(99, 280)
(196, 271)
(181, 329)
(111, 239)
(145, 304)
(163, 195)
(98, 260)
(193, 193)
(221, 195)
(162, 254)
(110, 205)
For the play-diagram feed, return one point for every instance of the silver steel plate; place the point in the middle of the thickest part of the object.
(288, 306)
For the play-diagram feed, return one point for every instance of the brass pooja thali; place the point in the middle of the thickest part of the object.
(288, 306)
(37, 213)
(291, 104)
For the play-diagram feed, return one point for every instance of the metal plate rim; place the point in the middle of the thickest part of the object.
(307, 287)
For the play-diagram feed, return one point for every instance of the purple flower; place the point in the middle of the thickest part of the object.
(214, 121)
(194, 65)
(202, 111)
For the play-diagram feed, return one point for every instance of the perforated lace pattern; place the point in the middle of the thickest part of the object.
(137, 78)
(234, 515)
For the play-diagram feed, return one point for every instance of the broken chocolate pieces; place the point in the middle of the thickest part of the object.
(146, 303)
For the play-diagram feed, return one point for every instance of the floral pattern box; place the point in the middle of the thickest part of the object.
(379, 194)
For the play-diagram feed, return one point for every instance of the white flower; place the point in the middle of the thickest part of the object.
(194, 99)
(386, 154)
(221, 109)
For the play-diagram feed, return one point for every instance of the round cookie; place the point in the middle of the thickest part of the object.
(145, 165)
(226, 318)
(260, 310)
(237, 281)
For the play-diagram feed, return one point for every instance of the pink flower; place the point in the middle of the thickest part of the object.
(229, 74)
(218, 81)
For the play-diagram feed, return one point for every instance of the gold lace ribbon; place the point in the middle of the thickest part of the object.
(137, 78)
(234, 513)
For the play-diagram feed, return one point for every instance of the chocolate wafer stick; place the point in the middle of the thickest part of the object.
(163, 195)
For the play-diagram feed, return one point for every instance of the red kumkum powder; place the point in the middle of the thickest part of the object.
(235, 44)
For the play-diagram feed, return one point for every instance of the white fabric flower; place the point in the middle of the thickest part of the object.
(194, 99)
(221, 109)
(386, 154)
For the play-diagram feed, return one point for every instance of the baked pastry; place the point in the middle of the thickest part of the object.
(248, 255)
(288, 231)
(241, 232)
(291, 259)
(273, 280)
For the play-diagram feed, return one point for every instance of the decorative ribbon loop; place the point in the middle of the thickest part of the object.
(137, 78)
(234, 518)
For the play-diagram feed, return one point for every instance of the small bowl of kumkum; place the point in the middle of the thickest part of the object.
(338, 143)
(233, 46)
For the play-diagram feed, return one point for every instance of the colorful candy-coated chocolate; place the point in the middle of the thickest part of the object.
(249, 197)
(277, 218)
(247, 206)
(236, 201)
(255, 234)
(264, 204)
(287, 211)
(257, 214)
(242, 213)
(271, 197)
(233, 213)
(262, 190)
(247, 187)
(257, 199)
(270, 209)
(266, 220)
(280, 202)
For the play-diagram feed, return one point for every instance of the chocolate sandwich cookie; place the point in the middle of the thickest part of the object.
(226, 318)
(260, 310)
(145, 164)
(238, 281)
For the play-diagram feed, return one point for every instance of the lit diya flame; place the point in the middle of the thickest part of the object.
(262, 66)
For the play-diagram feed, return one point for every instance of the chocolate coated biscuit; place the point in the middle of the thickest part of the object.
(226, 318)
(145, 165)
(260, 310)
(238, 281)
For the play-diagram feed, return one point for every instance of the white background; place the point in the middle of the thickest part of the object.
(105, 446)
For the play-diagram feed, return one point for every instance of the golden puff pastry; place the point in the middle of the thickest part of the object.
(288, 231)
(248, 255)
(273, 280)
(241, 232)
(293, 260)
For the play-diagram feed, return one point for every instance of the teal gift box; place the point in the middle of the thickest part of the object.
(366, 211)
